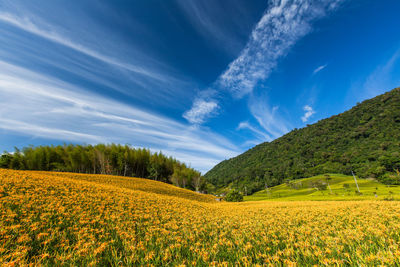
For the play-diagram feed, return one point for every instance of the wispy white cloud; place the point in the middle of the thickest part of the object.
(282, 25)
(51, 34)
(308, 112)
(318, 69)
(217, 24)
(268, 117)
(385, 77)
(35, 105)
(108, 63)
(43, 131)
(201, 110)
(262, 136)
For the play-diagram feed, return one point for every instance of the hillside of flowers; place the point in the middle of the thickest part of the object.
(71, 219)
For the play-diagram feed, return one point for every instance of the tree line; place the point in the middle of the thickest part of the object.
(112, 159)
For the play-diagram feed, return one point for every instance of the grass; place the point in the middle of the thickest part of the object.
(66, 219)
(304, 189)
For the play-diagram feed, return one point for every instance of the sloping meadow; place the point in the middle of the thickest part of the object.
(64, 218)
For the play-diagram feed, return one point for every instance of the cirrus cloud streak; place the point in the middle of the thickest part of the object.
(39, 106)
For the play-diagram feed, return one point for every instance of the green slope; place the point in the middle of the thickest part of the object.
(365, 139)
(303, 189)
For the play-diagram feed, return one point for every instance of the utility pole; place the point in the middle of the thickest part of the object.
(330, 188)
(327, 177)
(355, 179)
(267, 189)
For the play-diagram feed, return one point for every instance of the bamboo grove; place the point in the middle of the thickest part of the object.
(104, 159)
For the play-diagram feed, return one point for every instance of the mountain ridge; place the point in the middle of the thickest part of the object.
(364, 139)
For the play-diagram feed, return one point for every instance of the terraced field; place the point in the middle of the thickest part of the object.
(72, 219)
(341, 187)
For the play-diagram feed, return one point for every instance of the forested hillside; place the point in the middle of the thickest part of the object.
(365, 139)
(104, 159)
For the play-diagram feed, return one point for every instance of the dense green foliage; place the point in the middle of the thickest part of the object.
(234, 196)
(365, 139)
(104, 159)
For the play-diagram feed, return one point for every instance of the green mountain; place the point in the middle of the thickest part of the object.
(364, 139)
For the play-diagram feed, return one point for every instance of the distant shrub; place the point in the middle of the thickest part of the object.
(234, 196)
(327, 177)
(391, 179)
(389, 198)
(319, 185)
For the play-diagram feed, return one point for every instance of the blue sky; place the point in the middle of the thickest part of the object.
(201, 80)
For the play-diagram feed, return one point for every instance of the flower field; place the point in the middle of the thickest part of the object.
(75, 219)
